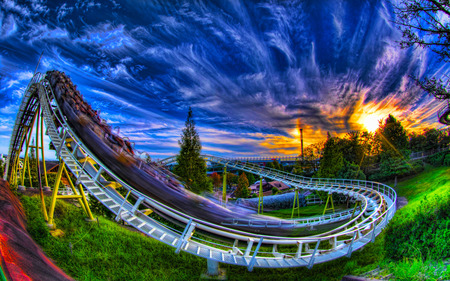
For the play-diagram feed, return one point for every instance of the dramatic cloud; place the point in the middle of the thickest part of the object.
(252, 72)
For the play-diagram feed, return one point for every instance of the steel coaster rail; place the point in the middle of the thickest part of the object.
(273, 174)
(361, 233)
(155, 204)
(20, 122)
(270, 175)
(259, 169)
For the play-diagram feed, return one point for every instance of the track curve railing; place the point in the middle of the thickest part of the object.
(234, 246)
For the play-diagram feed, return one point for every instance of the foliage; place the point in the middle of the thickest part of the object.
(231, 179)
(216, 180)
(275, 190)
(424, 234)
(421, 229)
(242, 190)
(439, 159)
(333, 159)
(351, 171)
(422, 24)
(277, 165)
(416, 269)
(251, 178)
(309, 164)
(393, 139)
(191, 167)
(391, 168)
(428, 140)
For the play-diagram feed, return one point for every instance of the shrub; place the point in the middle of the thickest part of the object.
(422, 233)
(439, 159)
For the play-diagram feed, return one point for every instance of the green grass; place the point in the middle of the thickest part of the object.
(421, 230)
(431, 182)
(109, 251)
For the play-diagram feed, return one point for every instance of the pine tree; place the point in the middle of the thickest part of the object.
(333, 158)
(393, 138)
(190, 165)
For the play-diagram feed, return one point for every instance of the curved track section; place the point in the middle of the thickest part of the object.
(238, 239)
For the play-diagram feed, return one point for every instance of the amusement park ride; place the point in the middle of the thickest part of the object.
(88, 149)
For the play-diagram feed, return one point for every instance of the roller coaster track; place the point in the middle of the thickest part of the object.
(230, 245)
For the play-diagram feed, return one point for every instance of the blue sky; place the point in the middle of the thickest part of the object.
(252, 71)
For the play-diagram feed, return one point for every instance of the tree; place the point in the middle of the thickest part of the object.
(394, 149)
(417, 142)
(190, 165)
(251, 178)
(242, 190)
(393, 138)
(333, 159)
(216, 179)
(424, 23)
(351, 171)
(277, 165)
(231, 179)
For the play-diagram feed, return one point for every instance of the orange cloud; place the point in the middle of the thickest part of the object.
(363, 117)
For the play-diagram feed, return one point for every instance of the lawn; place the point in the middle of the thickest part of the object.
(110, 251)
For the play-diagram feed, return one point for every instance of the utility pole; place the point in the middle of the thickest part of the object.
(301, 140)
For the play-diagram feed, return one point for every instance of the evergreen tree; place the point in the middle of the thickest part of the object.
(242, 190)
(394, 150)
(191, 167)
(393, 139)
(333, 159)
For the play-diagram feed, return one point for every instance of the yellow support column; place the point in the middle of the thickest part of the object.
(38, 165)
(13, 179)
(73, 189)
(81, 197)
(296, 205)
(55, 193)
(357, 206)
(25, 160)
(329, 199)
(260, 197)
(224, 187)
(86, 204)
(42, 150)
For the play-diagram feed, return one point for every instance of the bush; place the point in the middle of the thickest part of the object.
(275, 190)
(391, 168)
(422, 233)
(439, 159)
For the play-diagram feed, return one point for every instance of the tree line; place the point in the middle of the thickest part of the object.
(381, 155)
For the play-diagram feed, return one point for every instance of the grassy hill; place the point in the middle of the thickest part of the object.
(110, 251)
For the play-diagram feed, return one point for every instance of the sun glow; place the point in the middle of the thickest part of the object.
(371, 122)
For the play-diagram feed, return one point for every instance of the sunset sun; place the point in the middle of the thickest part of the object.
(371, 122)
